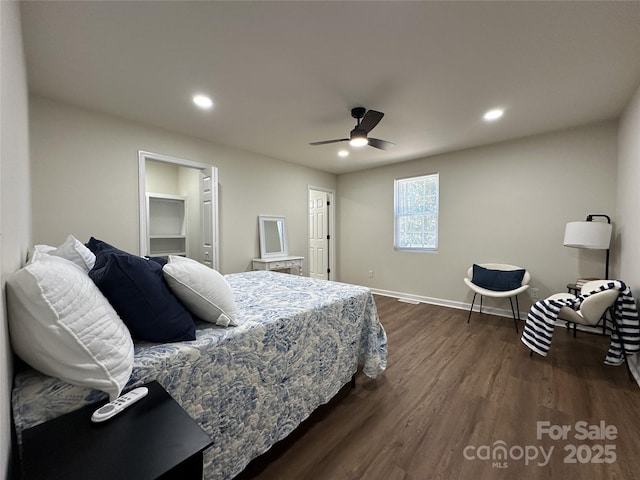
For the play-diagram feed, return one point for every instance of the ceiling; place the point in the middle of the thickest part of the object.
(283, 74)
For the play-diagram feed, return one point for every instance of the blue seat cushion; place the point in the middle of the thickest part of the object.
(498, 280)
(137, 290)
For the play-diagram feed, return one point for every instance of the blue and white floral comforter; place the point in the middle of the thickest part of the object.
(249, 386)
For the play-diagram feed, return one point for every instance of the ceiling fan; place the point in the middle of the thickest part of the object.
(367, 120)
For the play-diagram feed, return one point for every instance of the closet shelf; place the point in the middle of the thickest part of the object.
(166, 224)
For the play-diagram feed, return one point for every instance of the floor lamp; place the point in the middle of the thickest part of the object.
(591, 235)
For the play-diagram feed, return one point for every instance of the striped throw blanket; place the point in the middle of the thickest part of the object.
(542, 317)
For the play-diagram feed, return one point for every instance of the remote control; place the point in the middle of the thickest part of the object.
(113, 408)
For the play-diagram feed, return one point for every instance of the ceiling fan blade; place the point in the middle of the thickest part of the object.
(370, 120)
(381, 144)
(330, 141)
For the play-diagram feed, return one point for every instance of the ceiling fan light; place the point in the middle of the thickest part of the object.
(358, 139)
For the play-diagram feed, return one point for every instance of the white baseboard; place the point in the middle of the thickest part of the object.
(501, 312)
(411, 298)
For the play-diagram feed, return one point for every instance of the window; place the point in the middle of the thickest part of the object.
(416, 213)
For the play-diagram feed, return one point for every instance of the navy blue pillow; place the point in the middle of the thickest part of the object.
(161, 260)
(498, 280)
(97, 246)
(136, 289)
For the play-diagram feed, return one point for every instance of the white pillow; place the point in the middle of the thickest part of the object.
(74, 250)
(38, 251)
(204, 292)
(62, 325)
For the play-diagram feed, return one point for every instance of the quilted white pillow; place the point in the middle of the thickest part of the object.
(38, 251)
(204, 291)
(61, 324)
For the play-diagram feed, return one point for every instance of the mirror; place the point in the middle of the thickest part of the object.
(273, 236)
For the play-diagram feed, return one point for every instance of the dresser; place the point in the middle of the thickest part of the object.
(280, 264)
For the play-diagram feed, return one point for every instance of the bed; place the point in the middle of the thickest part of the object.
(300, 341)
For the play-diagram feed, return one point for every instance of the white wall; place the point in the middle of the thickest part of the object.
(189, 186)
(504, 203)
(85, 182)
(161, 177)
(627, 234)
(15, 211)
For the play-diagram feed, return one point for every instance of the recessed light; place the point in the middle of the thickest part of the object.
(343, 153)
(203, 101)
(494, 114)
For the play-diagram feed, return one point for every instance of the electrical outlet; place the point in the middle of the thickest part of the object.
(534, 293)
(370, 273)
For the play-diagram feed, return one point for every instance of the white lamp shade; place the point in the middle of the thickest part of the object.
(593, 235)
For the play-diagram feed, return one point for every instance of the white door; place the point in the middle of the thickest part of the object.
(319, 234)
(207, 199)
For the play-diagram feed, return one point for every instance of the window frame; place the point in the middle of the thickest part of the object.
(397, 216)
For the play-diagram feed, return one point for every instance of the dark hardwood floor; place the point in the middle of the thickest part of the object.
(454, 392)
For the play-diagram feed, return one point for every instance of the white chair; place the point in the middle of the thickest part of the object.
(592, 309)
(485, 289)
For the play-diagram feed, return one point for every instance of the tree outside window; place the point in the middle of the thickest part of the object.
(416, 213)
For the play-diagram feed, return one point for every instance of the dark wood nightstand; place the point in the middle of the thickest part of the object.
(153, 438)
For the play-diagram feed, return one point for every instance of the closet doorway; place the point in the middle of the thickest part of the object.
(321, 233)
(178, 205)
